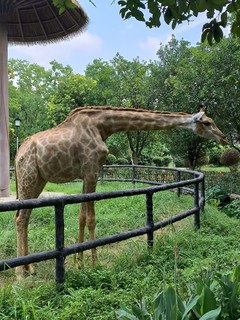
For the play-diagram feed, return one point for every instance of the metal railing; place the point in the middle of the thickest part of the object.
(137, 174)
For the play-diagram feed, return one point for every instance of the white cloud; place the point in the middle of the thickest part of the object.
(151, 45)
(184, 30)
(62, 51)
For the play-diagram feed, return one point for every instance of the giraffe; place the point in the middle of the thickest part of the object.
(76, 149)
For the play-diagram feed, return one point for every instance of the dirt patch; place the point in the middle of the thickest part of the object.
(43, 195)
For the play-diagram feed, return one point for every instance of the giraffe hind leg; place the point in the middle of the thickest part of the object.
(87, 216)
(22, 220)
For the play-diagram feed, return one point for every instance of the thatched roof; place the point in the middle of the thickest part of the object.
(32, 21)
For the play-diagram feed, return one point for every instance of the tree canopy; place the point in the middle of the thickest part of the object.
(178, 80)
(220, 14)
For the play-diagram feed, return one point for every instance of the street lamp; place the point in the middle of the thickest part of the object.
(17, 123)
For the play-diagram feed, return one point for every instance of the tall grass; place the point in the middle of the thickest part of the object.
(124, 271)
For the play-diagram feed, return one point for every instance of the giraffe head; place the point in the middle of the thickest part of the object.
(205, 127)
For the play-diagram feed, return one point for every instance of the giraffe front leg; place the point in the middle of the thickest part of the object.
(91, 224)
(82, 224)
(87, 214)
(87, 217)
(22, 219)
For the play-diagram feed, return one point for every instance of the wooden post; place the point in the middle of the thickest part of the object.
(150, 223)
(59, 239)
(4, 114)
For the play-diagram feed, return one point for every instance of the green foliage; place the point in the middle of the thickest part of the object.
(216, 297)
(216, 196)
(162, 161)
(233, 209)
(219, 198)
(177, 81)
(72, 92)
(62, 5)
(230, 158)
(228, 182)
(125, 271)
(214, 155)
(111, 159)
(122, 161)
(219, 13)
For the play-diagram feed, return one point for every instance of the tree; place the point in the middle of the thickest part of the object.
(29, 89)
(222, 86)
(174, 12)
(178, 78)
(103, 73)
(184, 76)
(72, 92)
(124, 83)
(220, 13)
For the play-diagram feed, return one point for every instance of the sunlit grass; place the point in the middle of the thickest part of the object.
(125, 271)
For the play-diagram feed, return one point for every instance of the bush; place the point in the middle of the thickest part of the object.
(214, 155)
(111, 159)
(179, 162)
(162, 161)
(233, 209)
(122, 161)
(203, 160)
(216, 196)
(230, 158)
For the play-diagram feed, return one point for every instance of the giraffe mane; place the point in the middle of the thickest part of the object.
(86, 109)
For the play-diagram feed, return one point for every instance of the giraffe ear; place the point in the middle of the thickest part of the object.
(197, 116)
(202, 107)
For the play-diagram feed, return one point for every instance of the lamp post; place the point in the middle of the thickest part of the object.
(17, 123)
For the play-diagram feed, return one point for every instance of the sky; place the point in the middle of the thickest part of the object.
(106, 35)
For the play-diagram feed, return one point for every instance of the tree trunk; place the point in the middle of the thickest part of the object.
(4, 115)
(135, 158)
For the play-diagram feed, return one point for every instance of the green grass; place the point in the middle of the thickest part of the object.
(212, 168)
(125, 271)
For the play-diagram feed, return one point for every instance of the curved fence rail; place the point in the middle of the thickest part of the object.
(161, 178)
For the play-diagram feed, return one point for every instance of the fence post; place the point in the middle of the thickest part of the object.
(178, 180)
(150, 223)
(133, 174)
(196, 204)
(203, 193)
(59, 242)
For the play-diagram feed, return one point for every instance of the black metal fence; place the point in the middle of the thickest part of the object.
(191, 181)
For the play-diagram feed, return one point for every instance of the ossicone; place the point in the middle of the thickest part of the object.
(202, 107)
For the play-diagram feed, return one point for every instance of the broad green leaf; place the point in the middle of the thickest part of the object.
(168, 16)
(69, 4)
(171, 304)
(122, 3)
(210, 37)
(217, 33)
(209, 300)
(224, 18)
(211, 315)
(236, 274)
(138, 15)
(124, 314)
(61, 10)
(204, 35)
(190, 306)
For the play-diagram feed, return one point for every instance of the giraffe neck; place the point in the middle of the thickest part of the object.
(110, 120)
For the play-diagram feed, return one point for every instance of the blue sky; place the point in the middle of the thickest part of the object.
(106, 35)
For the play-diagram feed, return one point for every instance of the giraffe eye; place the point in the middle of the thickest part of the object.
(206, 123)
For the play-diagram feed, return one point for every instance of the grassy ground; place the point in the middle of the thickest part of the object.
(125, 271)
